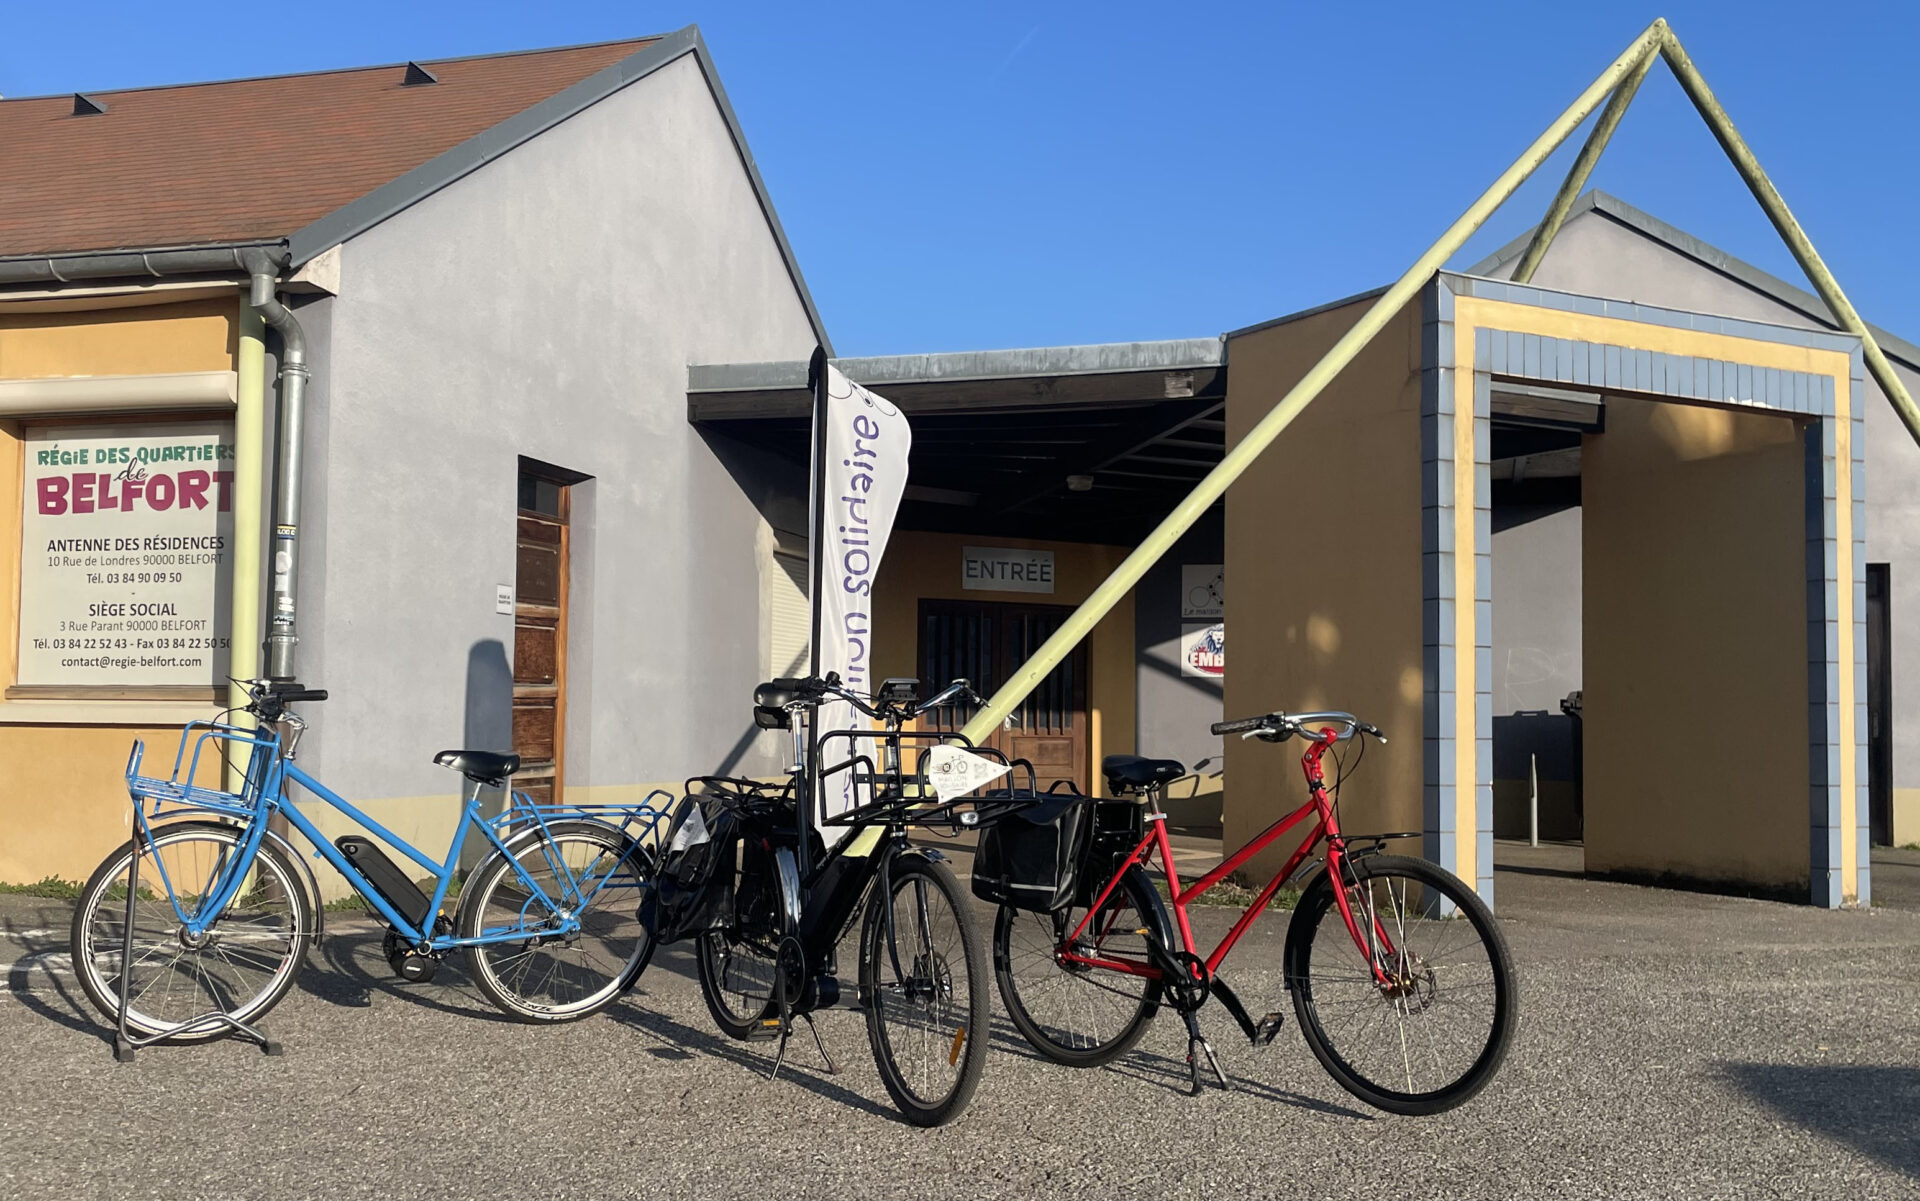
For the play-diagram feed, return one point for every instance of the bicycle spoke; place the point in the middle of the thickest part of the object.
(1420, 1010)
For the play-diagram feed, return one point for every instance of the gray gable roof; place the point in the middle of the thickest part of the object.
(1710, 257)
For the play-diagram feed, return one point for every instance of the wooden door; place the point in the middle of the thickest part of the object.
(986, 642)
(540, 638)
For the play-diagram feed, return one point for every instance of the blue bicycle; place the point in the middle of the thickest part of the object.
(199, 923)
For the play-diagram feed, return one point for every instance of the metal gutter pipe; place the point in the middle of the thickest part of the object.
(283, 635)
(1262, 435)
(132, 264)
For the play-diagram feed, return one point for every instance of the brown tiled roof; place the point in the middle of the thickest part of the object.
(250, 158)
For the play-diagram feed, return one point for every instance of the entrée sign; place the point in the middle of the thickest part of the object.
(125, 555)
(1004, 569)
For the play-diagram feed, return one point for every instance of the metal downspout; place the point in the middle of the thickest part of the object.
(282, 631)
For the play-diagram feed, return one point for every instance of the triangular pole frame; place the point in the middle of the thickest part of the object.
(1617, 86)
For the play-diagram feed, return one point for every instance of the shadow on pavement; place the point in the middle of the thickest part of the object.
(349, 967)
(675, 1040)
(1872, 1109)
(42, 978)
(1173, 1074)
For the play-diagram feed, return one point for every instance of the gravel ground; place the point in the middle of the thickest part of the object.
(1670, 1045)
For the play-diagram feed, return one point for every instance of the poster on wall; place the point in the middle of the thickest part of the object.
(1203, 592)
(1203, 650)
(125, 555)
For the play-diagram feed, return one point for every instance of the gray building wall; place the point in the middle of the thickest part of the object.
(1174, 711)
(1599, 256)
(546, 305)
(1536, 663)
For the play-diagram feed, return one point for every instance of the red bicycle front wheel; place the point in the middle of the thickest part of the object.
(1434, 1031)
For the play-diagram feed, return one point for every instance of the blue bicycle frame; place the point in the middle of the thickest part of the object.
(268, 771)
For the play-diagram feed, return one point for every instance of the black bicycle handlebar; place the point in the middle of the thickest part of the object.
(812, 690)
(1281, 726)
(270, 698)
(1239, 725)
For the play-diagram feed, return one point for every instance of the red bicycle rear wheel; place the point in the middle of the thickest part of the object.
(1073, 1014)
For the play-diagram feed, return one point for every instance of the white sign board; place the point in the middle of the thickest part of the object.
(125, 555)
(1203, 592)
(1203, 651)
(1004, 569)
(956, 772)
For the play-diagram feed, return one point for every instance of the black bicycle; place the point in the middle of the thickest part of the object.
(747, 874)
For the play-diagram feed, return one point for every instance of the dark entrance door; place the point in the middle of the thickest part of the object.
(1879, 704)
(986, 642)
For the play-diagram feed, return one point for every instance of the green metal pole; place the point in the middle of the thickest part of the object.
(1789, 229)
(1582, 168)
(1261, 436)
(249, 475)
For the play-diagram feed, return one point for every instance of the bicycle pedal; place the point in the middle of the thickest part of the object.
(1267, 1028)
(764, 1032)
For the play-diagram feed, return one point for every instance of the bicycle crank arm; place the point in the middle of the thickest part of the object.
(1231, 1000)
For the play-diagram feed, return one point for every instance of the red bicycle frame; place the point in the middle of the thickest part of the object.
(1328, 830)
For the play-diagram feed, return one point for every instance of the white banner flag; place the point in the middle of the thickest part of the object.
(856, 496)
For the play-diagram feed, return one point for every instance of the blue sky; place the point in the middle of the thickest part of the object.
(991, 175)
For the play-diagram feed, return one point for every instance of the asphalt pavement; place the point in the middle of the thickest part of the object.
(1670, 1045)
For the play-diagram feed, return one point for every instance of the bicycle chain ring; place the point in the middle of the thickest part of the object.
(1188, 988)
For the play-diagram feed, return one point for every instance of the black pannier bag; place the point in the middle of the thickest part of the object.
(1117, 827)
(1030, 859)
(693, 890)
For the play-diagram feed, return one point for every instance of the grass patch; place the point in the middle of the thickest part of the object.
(1910, 846)
(52, 887)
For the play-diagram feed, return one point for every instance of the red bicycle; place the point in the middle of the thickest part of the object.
(1402, 983)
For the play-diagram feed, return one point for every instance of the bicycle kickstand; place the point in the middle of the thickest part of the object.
(1197, 1045)
(786, 1024)
(833, 1069)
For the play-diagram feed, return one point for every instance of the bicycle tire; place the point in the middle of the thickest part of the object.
(1051, 1036)
(95, 937)
(1408, 922)
(934, 1019)
(714, 951)
(586, 973)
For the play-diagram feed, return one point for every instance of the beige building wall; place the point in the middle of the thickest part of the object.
(1323, 547)
(1695, 644)
(63, 795)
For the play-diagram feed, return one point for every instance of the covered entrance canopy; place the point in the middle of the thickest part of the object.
(1073, 453)
(1079, 443)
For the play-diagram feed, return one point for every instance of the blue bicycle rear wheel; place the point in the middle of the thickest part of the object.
(544, 973)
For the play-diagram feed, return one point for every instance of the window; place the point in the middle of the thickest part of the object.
(790, 620)
(125, 557)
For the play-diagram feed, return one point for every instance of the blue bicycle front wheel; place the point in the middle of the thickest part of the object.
(239, 965)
